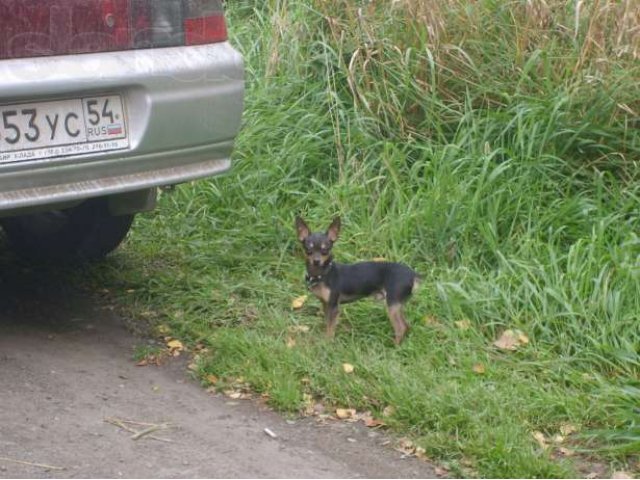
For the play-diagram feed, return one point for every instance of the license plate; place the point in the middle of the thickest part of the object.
(31, 131)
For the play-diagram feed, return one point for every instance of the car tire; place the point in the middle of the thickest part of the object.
(83, 233)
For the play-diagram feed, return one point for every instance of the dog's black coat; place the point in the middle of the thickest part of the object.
(335, 283)
(394, 280)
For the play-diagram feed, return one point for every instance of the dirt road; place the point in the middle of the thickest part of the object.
(66, 365)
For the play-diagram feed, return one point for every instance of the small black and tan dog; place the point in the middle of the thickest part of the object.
(335, 283)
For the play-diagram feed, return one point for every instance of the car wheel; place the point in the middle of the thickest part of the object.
(83, 233)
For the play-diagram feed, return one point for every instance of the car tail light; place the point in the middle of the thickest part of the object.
(31, 28)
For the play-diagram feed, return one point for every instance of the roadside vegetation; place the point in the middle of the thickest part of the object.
(494, 147)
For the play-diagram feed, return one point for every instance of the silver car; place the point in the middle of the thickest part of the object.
(101, 102)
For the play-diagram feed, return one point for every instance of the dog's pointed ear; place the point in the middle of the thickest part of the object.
(303, 230)
(334, 229)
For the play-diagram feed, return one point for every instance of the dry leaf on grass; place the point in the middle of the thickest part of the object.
(346, 413)
(410, 449)
(406, 446)
(298, 302)
(541, 439)
(347, 367)
(479, 368)
(567, 429)
(421, 453)
(388, 411)
(463, 324)
(211, 379)
(511, 340)
(299, 328)
(175, 347)
(151, 359)
(373, 423)
(291, 342)
(163, 330)
(237, 394)
(369, 421)
(431, 321)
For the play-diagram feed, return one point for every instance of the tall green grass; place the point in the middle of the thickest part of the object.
(493, 146)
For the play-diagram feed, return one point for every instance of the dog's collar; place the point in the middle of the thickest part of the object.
(313, 280)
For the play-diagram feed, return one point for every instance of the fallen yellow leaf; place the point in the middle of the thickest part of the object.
(567, 429)
(479, 368)
(347, 367)
(237, 394)
(463, 324)
(345, 413)
(299, 328)
(291, 342)
(406, 446)
(557, 438)
(298, 302)
(163, 330)
(212, 379)
(388, 411)
(507, 341)
(175, 347)
(511, 340)
(540, 438)
(369, 421)
(431, 321)
(373, 422)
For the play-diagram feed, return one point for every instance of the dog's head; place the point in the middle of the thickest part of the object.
(317, 246)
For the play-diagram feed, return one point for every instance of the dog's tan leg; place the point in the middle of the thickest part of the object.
(331, 318)
(398, 322)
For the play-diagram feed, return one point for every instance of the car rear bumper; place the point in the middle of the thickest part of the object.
(184, 107)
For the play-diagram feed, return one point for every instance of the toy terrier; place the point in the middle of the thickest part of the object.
(335, 283)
